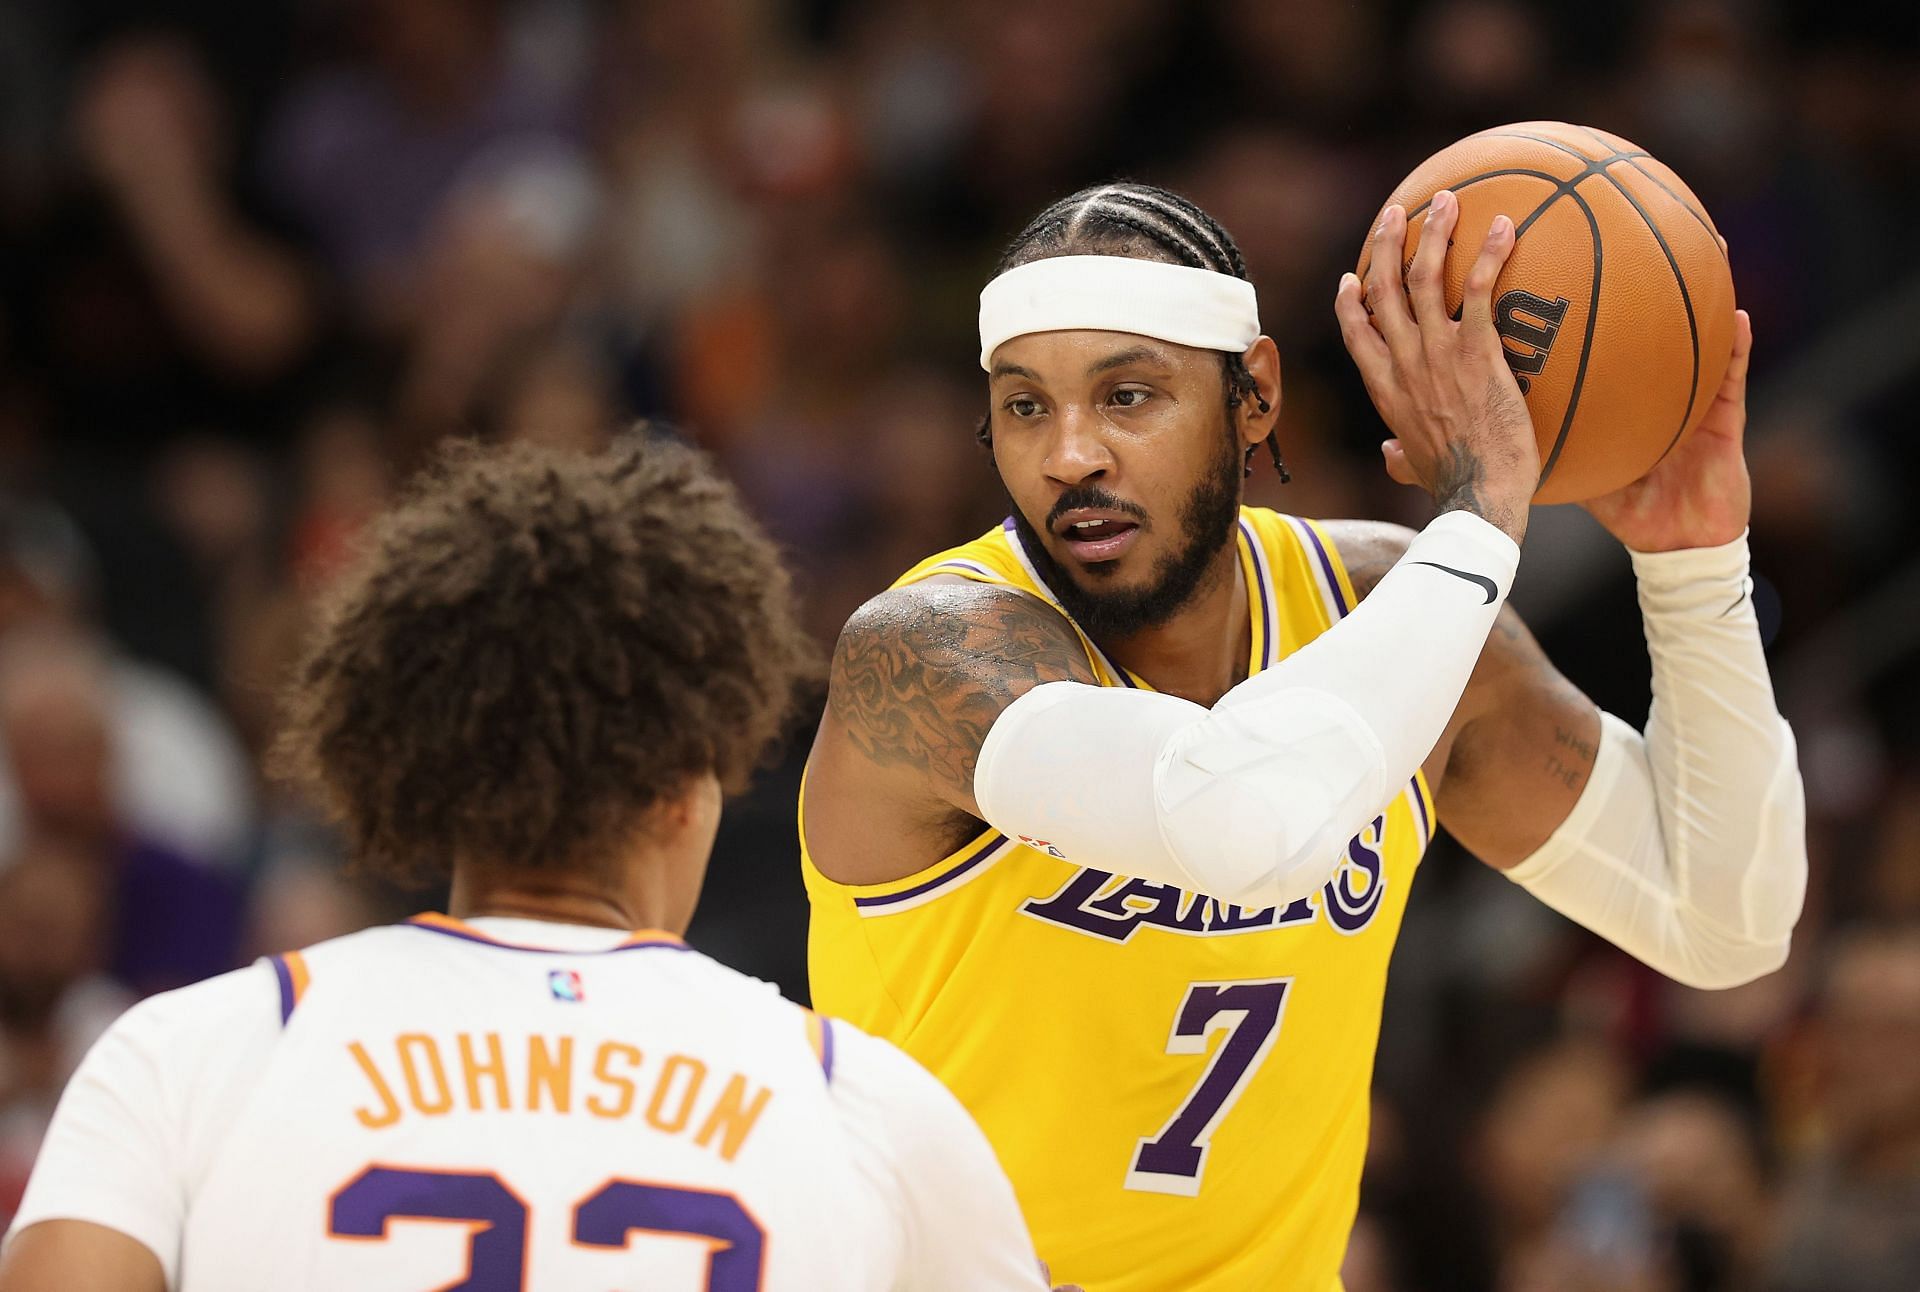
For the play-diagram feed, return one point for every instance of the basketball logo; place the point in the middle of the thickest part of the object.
(565, 985)
(1530, 322)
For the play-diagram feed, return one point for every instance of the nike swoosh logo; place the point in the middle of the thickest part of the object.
(1480, 581)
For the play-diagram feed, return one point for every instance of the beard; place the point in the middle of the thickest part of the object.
(1207, 517)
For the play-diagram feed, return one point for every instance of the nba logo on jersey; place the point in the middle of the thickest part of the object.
(565, 985)
(1043, 846)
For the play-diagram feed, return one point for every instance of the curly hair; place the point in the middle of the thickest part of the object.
(536, 648)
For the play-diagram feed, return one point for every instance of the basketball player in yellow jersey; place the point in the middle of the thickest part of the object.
(1114, 811)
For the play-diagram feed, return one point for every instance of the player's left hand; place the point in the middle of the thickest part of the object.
(1699, 495)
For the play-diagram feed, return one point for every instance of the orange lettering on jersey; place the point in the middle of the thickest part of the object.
(473, 1070)
(603, 1071)
(433, 1099)
(551, 1072)
(697, 1073)
(733, 1117)
(389, 1107)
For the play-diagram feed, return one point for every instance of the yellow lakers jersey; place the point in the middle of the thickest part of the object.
(1178, 1087)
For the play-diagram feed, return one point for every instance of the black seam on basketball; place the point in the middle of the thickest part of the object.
(1586, 348)
(1686, 301)
(1540, 139)
(1616, 154)
(1594, 166)
(1548, 176)
(1687, 206)
(1596, 136)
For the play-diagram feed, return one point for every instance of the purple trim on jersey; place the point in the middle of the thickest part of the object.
(1326, 564)
(826, 1047)
(1021, 554)
(971, 567)
(288, 997)
(484, 940)
(998, 841)
(1268, 626)
(1420, 810)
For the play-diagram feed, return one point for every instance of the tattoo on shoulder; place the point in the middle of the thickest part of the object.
(921, 673)
(1571, 741)
(1368, 548)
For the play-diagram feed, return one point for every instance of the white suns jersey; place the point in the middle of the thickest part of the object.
(504, 1104)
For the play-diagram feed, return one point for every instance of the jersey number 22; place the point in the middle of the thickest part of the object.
(497, 1217)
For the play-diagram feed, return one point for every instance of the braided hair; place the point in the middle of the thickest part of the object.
(1142, 222)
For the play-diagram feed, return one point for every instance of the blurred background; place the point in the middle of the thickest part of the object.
(256, 260)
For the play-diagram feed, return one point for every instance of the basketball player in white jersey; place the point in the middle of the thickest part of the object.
(539, 681)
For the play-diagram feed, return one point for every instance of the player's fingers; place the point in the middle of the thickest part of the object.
(1426, 277)
(1734, 384)
(1476, 304)
(1386, 298)
(1369, 351)
(1398, 467)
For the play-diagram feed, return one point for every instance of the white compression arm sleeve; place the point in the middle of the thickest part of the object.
(1688, 847)
(1254, 800)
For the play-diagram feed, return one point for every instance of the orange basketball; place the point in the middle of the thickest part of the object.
(1616, 306)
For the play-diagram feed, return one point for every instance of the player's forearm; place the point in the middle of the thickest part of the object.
(77, 1256)
(1688, 847)
(1252, 801)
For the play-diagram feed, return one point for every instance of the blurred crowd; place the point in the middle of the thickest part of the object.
(256, 261)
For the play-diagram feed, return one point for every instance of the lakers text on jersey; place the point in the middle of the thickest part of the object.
(1178, 1086)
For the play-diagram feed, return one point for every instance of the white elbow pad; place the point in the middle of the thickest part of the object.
(1262, 818)
(1253, 801)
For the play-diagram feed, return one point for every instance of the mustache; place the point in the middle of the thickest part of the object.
(1095, 498)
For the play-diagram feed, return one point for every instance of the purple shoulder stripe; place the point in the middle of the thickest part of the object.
(1326, 567)
(288, 996)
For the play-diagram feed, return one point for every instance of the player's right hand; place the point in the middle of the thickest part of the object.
(1442, 385)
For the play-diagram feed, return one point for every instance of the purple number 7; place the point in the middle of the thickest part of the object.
(1172, 1160)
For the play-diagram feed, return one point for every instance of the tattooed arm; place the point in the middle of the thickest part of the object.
(919, 675)
(1516, 756)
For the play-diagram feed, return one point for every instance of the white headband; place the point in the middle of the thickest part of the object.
(1195, 307)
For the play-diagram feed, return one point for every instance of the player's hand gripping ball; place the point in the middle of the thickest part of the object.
(1616, 306)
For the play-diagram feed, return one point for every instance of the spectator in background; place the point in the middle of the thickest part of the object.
(54, 998)
(1850, 1217)
(1546, 1126)
(154, 292)
(368, 154)
(172, 919)
(180, 778)
(1698, 1158)
(151, 129)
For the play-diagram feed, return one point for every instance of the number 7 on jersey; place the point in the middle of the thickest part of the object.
(1173, 1159)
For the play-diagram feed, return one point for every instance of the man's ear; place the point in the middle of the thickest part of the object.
(1261, 412)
